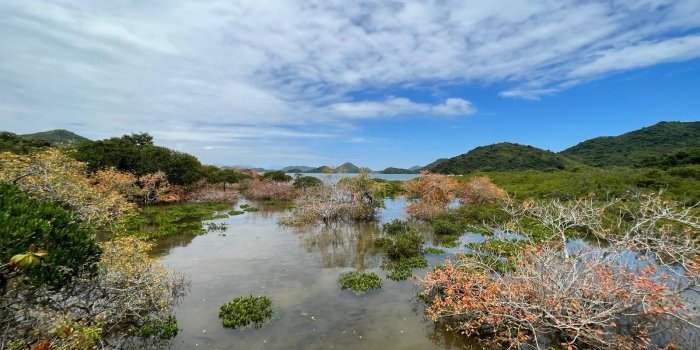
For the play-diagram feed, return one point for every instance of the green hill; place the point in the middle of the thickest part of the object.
(501, 157)
(55, 137)
(393, 170)
(637, 146)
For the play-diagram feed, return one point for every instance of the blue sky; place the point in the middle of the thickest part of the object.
(378, 83)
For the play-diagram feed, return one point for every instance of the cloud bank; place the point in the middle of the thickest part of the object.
(227, 74)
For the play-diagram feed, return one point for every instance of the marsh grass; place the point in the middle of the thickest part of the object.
(167, 220)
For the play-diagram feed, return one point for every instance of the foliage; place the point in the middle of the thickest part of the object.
(242, 311)
(637, 146)
(501, 157)
(676, 159)
(302, 182)
(235, 212)
(214, 175)
(129, 292)
(432, 193)
(360, 282)
(578, 303)
(388, 188)
(396, 226)
(10, 142)
(53, 176)
(137, 154)
(269, 190)
(204, 192)
(278, 176)
(351, 199)
(166, 220)
(678, 183)
(29, 226)
(402, 268)
(393, 170)
(55, 137)
(480, 190)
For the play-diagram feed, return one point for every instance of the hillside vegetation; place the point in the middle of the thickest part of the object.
(501, 157)
(55, 137)
(637, 146)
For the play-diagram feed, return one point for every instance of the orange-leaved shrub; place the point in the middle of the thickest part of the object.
(480, 190)
(431, 194)
(269, 190)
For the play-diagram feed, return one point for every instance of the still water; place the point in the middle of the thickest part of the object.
(299, 269)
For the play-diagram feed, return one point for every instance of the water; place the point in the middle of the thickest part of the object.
(298, 269)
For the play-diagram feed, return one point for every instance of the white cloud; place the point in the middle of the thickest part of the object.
(397, 106)
(167, 66)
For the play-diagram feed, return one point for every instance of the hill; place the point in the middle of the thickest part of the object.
(501, 157)
(637, 146)
(56, 137)
(297, 169)
(393, 170)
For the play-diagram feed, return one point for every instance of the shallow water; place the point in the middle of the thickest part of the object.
(299, 269)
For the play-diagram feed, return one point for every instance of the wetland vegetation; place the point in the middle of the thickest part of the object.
(124, 249)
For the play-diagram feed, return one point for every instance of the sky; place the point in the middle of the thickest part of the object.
(378, 83)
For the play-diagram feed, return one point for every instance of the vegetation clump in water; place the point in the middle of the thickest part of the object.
(360, 282)
(404, 249)
(162, 221)
(243, 311)
(433, 250)
(402, 269)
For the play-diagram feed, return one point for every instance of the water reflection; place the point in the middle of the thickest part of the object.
(298, 269)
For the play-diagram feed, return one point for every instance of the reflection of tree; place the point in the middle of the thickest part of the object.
(343, 244)
(440, 334)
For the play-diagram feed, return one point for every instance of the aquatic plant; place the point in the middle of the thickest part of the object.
(405, 245)
(243, 311)
(360, 282)
(159, 221)
(236, 212)
(396, 226)
(402, 269)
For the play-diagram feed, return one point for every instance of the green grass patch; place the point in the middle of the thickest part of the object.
(360, 282)
(243, 311)
(236, 212)
(402, 269)
(167, 220)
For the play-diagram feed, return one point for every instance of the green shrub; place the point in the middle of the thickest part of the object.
(277, 176)
(403, 268)
(444, 225)
(395, 227)
(301, 182)
(235, 212)
(242, 311)
(360, 282)
(405, 245)
(28, 224)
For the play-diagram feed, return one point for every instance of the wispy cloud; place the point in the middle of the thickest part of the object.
(291, 68)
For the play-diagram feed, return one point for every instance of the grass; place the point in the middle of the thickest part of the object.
(360, 282)
(248, 208)
(160, 221)
(243, 311)
(235, 212)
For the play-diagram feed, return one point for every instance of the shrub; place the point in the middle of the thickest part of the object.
(270, 190)
(207, 193)
(55, 177)
(432, 193)
(360, 282)
(405, 245)
(403, 268)
(130, 291)
(351, 199)
(396, 226)
(302, 182)
(433, 250)
(277, 176)
(32, 225)
(444, 225)
(579, 303)
(480, 190)
(242, 311)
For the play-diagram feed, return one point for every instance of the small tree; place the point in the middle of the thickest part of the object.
(432, 193)
(480, 190)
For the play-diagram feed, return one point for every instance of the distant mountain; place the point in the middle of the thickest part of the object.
(500, 157)
(56, 137)
(347, 168)
(637, 146)
(416, 168)
(297, 169)
(393, 170)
